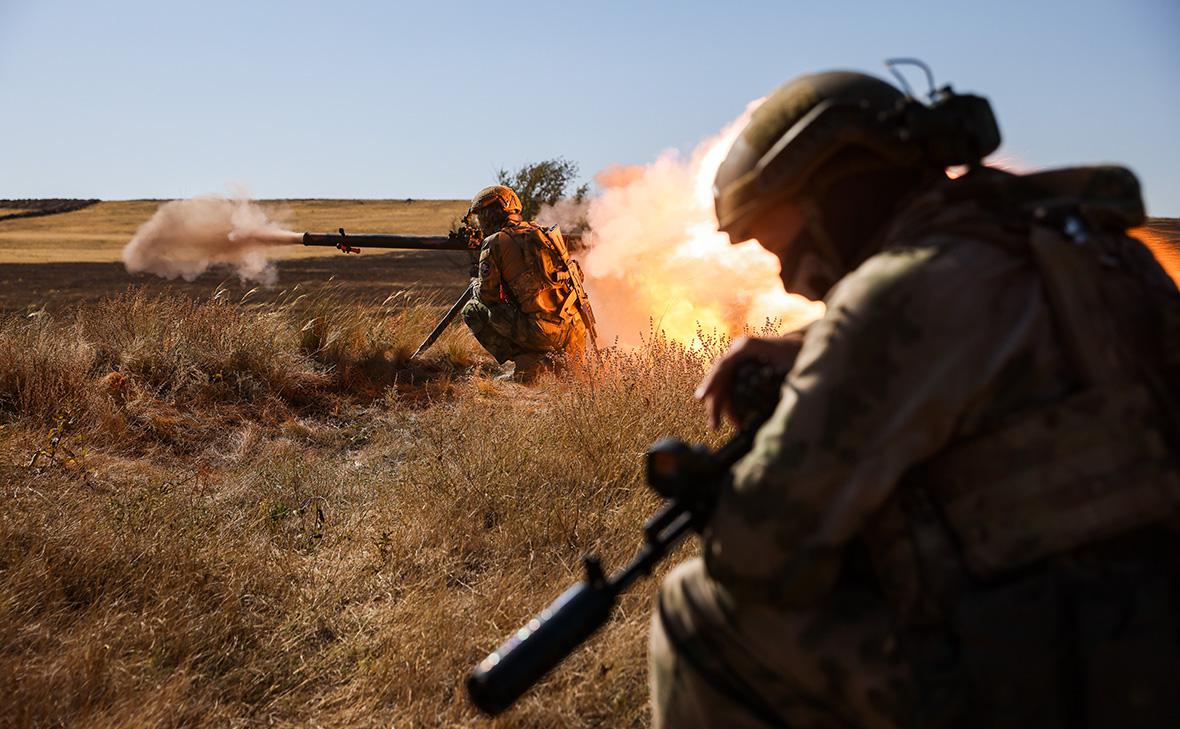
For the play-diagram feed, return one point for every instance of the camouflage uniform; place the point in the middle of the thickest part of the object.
(938, 388)
(522, 309)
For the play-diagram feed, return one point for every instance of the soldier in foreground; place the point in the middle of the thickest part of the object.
(962, 511)
(529, 306)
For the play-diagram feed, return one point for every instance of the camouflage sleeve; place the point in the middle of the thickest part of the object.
(907, 342)
(490, 278)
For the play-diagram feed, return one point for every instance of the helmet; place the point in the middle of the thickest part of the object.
(821, 129)
(801, 136)
(498, 195)
(835, 154)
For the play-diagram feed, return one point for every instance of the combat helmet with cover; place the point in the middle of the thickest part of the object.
(843, 149)
(499, 196)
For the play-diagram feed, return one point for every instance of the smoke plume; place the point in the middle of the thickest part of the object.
(185, 238)
(656, 259)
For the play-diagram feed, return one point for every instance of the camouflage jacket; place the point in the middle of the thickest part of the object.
(940, 338)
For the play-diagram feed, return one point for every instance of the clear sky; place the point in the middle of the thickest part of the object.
(149, 98)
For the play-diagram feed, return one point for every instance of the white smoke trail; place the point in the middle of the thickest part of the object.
(185, 238)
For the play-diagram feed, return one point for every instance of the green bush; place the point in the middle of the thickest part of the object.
(543, 183)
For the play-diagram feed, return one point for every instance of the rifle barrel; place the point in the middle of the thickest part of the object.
(681, 471)
(531, 652)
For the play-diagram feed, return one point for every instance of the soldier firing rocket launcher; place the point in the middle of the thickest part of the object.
(464, 238)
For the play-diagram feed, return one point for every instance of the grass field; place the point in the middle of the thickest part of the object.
(261, 513)
(235, 509)
(226, 515)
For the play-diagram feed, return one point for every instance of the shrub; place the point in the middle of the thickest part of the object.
(543, 183)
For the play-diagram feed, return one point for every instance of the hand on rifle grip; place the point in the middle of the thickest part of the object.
(720, 388)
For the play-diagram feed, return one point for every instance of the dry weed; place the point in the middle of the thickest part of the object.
(279, 520)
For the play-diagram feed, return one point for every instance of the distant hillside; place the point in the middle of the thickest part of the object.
(10, 209)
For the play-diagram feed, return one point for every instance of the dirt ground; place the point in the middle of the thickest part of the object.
(369, 277)
(238, 516)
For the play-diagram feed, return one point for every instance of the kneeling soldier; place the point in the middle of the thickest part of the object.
(529, 305)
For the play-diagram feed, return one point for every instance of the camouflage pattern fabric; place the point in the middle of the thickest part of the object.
(921, 345)
(716, 662)
(494, 327)
(517, 310)
(942, 336)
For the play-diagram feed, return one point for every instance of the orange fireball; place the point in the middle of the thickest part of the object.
(657, 261)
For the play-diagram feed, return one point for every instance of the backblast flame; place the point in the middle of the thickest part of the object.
(657, 261)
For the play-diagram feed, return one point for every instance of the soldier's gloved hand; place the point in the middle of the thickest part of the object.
(716, 390)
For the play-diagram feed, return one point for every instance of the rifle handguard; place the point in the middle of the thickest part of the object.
(500, 679)
(690, 477)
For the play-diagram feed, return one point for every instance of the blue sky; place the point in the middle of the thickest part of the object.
(129, 98)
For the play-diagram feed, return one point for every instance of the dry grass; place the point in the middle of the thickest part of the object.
(99, 232)
(222, 514)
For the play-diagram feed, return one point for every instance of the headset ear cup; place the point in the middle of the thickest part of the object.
(956, 129)
(978, 122)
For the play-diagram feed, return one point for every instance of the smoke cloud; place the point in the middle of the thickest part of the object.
(656, 259)
(185, 238)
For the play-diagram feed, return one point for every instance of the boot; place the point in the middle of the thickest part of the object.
(505, 373)
(530, 366)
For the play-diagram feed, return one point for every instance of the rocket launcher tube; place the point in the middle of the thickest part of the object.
(463, 239)
(353, 242)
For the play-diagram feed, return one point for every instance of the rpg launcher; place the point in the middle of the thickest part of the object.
(466, 238)
(461, 239)
(689, 477)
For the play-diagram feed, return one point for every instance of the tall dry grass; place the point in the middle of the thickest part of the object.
(227, 515)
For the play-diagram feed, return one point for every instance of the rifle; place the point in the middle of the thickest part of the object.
(689, 477)
(445, 321)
